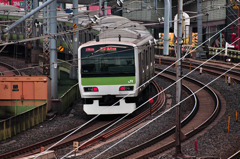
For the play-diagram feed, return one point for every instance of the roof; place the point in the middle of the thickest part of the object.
(112, 27)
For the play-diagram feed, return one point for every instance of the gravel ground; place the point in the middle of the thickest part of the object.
(216, 142)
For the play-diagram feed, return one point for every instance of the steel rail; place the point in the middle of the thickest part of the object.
(32, 149)
(35, 148)
(158, 104)
(169, 132)
(213, 68)
(11, 69)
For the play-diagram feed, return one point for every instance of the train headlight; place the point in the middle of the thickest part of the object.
(126, 88)
(90, 89)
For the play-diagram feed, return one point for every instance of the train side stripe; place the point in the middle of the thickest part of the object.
(108, 81)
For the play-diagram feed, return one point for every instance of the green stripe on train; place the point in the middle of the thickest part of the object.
(108, 80)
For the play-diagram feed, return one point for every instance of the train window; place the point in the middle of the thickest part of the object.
(85, 36)
(102, 60)
(143, 61)
(150, 55)
(146, 58)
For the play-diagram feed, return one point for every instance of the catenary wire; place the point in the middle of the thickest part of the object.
(31, 67)
(167, 109)
(164, 69)
(158, 93)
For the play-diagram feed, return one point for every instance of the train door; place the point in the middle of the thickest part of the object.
(140, 68)
(148, 63)
(144, 65)
(151, 51)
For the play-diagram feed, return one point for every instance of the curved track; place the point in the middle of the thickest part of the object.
(235, 155)
(211, 67)
(207, 109)
(88, 132)
(8, 70)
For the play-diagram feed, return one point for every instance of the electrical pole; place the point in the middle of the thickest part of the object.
(238, 26)
(105, 8)
(46, 41)
(170, 14)
(28, 31)
(178, 77)
(53, 50)
(100, 7)
(166, 27)
(35, 5)
(73, 70)
(199, 29)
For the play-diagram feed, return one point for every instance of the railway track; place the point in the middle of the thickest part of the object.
(158, 104)
(88, 132)
(204, 112)
(213, 68)
(8, 70)
(82, 134)
(235, 155)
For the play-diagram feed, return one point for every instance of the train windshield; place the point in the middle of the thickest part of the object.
(107, 61)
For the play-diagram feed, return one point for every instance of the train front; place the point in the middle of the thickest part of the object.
(106, 74)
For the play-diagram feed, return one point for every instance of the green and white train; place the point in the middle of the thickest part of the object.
(112, 67)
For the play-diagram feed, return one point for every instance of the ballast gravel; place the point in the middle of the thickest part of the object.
(215, 142)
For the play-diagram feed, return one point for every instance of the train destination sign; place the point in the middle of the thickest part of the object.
(90, 49)
(102, 49)
(108, 49)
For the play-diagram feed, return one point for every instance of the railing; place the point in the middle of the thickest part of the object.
(66, 100)
(16, 124)
(233, 55)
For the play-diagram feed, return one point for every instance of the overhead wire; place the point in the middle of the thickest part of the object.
(148, 82)
(155, 118)
(42, 37)
(32, 67)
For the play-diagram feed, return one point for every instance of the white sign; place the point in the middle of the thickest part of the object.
(227, 45)
(185, 25)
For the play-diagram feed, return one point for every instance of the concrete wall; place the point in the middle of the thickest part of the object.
(145, 10)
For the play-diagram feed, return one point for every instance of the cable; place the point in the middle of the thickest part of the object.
(139, 86)
(165, 111)
(109, 27)
(148, 82)
(41, 37)
(177, 61)
(176, 103)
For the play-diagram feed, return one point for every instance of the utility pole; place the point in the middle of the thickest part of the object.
(53, 50)
(238, 26)
(35, 5)
(36, 51)
(100, 7)
(199, 29)
(73, 72)
(28, 32)
(46, 41)
(166, 27)
(178, 77)
(105, 7)
(170, 14)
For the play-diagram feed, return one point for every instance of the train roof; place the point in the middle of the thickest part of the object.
(111, 28)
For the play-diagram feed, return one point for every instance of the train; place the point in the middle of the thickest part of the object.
(112, 67)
